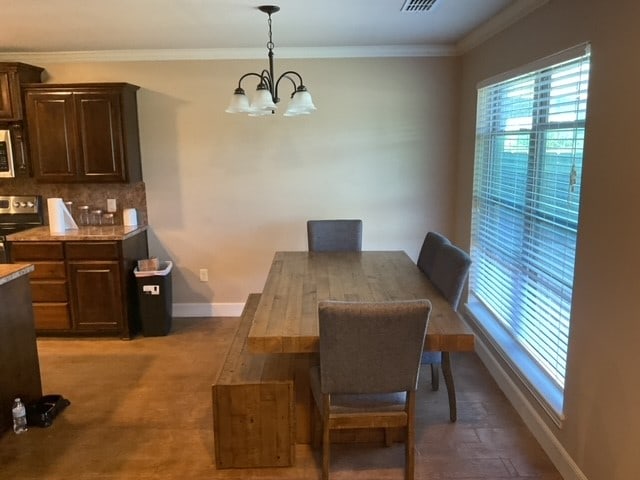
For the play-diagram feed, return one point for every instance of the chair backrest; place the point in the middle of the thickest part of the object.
(450, 270)
(432, 243)
(334, 235)
(371, 347)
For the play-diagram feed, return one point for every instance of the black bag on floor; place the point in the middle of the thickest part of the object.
(42, 412)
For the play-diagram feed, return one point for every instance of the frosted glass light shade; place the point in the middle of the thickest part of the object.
(300, 104)
(239, 104)
(262, 101)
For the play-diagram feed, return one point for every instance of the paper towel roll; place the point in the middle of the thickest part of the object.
(129, 217)
(60, 218)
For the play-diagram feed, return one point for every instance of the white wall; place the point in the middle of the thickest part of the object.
(602, 391)
(226, 191)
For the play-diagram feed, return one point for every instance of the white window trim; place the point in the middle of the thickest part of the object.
(533, 377)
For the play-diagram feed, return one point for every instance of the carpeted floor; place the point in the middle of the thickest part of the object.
(141, 409)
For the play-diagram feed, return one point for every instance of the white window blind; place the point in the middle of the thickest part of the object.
(526, 196)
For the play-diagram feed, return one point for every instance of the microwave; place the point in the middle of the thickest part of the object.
(6, 155)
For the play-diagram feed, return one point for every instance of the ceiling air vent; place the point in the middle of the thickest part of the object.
(418, 5)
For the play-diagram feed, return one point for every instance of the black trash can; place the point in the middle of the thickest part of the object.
(154, 299)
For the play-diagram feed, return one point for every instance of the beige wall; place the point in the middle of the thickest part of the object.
(602, 424)
(225, 191)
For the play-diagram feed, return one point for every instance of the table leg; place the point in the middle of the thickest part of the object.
(451, 389)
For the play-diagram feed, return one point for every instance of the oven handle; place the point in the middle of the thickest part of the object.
(3, 253)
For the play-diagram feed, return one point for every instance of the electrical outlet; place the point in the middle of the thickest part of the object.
(111, 205)
(204, 275)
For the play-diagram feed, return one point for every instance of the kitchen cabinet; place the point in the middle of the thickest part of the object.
(84, 287)
(12, 76)
(83, 132)
(49, 286)
(97, 295)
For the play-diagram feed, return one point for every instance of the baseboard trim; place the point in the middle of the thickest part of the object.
(207, 309)
(547, 440)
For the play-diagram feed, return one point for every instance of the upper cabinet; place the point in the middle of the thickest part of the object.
(12, 75)
(83, 132)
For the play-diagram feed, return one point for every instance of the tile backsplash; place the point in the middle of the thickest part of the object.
(127, 195)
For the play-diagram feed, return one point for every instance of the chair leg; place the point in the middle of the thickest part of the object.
(451, 389)
(326, 440)
(435, 377)
(316, 428)
(410, 449)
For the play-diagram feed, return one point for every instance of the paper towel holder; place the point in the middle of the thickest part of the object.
(60, 218)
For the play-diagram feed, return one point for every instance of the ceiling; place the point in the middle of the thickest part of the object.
(213, 27)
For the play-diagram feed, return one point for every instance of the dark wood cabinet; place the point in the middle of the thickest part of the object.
(83, 132)
(12, 76)
(97, 296)
(84, 287)
(49, 286)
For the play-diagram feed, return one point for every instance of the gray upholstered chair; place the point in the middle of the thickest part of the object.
(426, 260)
(368, 372)
(450, 270)
(449, 274)
(334, 235)
(432, 243)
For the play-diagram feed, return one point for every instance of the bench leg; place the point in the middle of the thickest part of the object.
(451, 389)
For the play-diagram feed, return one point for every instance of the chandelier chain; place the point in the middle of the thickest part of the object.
(270, 44)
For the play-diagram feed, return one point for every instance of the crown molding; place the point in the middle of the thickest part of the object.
(231, 54)
(498, 23)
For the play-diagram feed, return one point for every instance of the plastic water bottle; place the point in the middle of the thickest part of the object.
(19, 416)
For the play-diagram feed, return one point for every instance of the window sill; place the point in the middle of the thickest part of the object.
(529, 374)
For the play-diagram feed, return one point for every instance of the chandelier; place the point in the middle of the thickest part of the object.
(266, 96)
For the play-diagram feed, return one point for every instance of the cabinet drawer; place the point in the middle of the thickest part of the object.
(48, 270)
(51, 316)
(49, 291)
(21, 251)
(92, 250)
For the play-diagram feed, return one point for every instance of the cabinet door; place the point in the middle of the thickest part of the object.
(52, 135)
(100, 129)
(96, 296)
(6, 108)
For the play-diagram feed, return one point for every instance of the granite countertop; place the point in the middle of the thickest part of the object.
(111, 232)
(11, 271)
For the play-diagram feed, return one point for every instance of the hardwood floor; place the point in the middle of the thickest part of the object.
(141, 409)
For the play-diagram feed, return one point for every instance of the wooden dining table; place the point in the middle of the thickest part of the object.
(286, 319)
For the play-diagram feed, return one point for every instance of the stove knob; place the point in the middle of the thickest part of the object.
(16, 204)
(23, 204)
(30, 204)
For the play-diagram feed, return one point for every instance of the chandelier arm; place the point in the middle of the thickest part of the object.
(296, 87)
(250, 74)
(286, 75)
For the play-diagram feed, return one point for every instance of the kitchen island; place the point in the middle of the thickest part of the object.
(19, 365)
(83, 283)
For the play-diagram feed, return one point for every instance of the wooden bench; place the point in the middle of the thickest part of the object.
(253, 404)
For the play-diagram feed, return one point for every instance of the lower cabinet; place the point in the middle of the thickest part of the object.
(96, 298)
(84, 287)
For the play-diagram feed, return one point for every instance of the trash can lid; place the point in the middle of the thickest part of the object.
(168, 265)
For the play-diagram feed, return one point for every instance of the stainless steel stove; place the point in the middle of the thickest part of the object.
(18, 213)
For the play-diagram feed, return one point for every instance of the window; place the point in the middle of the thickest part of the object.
(526, 197)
